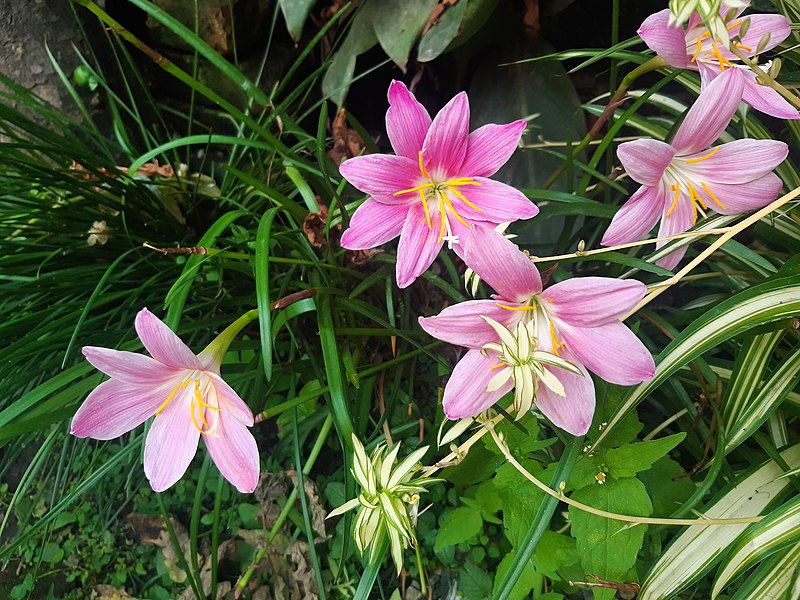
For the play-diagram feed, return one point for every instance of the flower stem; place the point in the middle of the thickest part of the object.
(614, 102)
(768, 80)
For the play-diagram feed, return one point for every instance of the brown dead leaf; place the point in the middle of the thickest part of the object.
(146, 528)
(360, 257)
(531, 18)
(346, 141)
(271, 486)
(315, 507)
(109, 592)
(314, 227)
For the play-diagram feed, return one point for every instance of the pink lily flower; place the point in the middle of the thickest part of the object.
(694, 48)
(576, 321)
(684, 178)
(437, 187)
(188, 398)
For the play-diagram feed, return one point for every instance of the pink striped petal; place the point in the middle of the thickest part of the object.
(637, 216)
(592, 301)
(234, 451)
(171, 443)
(611, 351)
(230, 402)
(382, 176)
(739, 161)
(669, 42)
(462, 325)
(446, 142)
(741, 198)
(465, 394)
(162, 343)
(407, 121)
(679, 221)
(574, 412)
(496, 202)
(710, 114)
(502, 265)
(777, 26)
(373, 224)
(489, 148)
(645, 160)
(418, 245)
(767, 100)
(115, 407)
(129, 367)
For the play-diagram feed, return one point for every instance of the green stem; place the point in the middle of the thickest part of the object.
(651, 65)
(768, 80)
(540, 523)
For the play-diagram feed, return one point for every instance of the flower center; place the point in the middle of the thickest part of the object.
(531, 315)
(698, 204)
(714, 56)
(197, 402)
(436, 193)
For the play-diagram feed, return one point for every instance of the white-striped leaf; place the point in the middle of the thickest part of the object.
(696, 550)
(779, 529)
(751, 364)
(772, 578)
(769, 301)
(768, 398)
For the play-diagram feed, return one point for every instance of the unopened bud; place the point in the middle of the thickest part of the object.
(762, 43)
(730, 15)
(745, 27)
(775, 68)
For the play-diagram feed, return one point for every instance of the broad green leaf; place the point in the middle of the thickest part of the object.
(295, 12)
(474, 583)
(748, 371)
(530, 579)
(520, 499)
(769, 301)
(772, 578)
(694, 552)
(779, 529)
(397, 25)
(608, 548)
(459, 525)
(770, 394)
(669, 486)
(629, 459)
(438, 37)
(339, 76)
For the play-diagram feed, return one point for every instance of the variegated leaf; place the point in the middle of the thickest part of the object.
(772, 578)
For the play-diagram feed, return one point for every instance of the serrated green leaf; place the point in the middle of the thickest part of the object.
(608, 548)
(769, 301)
(520, 499)
(474, 583)
(779, 529)
(668, 485)
(698, 548)
(459, 525)
(554, 551)
(629, 459)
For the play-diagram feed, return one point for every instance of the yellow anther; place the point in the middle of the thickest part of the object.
(182, 384)
(425, 208)
(460, 196)
(695, 196)
(528, 307)
(557, 345)
(712, 196)
(675, 187)
(699, 48)
(497, 366)
(450, 206)
(702, 158)
(422, 167)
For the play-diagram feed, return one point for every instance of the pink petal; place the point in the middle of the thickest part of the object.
(407, 121)
(666, 41)
(592, 301)
(230, 402)
(611, 351)
(418, 245)
(573, 413)
(679, 221)
(741, 198)
(502, 265)
(760, 24)
(645, 160)
(739, 161)
(162, 343)
(462, 325)
(446, 142)
(171, 443)
(496, 202)
(465, 394)
(710, 114)
(382, 176)
(234, 451)
(489, 148)
(129, 367)
(767, 100)
(115, 407)
(636, 217)
(373, 224)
